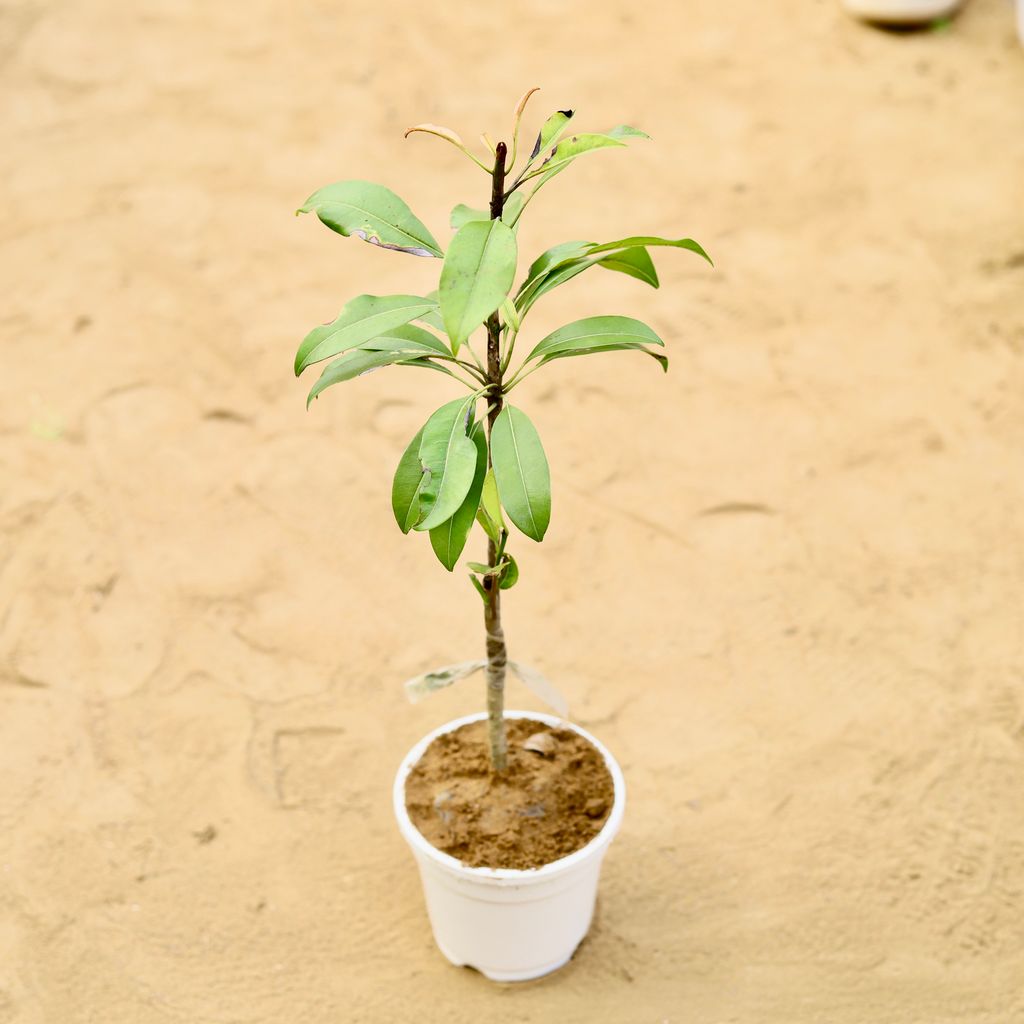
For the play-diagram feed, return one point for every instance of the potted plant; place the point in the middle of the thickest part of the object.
(508, 813)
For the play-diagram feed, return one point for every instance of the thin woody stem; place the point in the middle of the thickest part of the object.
(497, 656)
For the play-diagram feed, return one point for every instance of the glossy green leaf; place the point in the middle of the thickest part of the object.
(551, 131)
(363, 318)
(598, 334)
(478, 273)
(426, 363)
(406, 337)
(635, 262)
(559, 275)
(521, 472)
(406, 485)
(357, 362)
(652, 240)
(595, 333)
(550, 258)
(489, 513)
(373, 213)
(449, 539)
(626, 255)
(449, 461)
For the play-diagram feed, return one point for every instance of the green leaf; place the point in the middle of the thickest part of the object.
(551, 131)
(521, 472)
(559, 275)
(624, 131)
(449, 460)
(373, 213)
(449, 539)
(432, 318)
(463, 214)
(478, 273)
(565, 261)
(635, 262)
(363, 318)
(489, 513)
(356, 363)
(406, 337)
(406, 486)
(426, 363)
(479, 587)
(510, 576)
(547, 260)
(575, 145)
(652, 240)
(490, 570)
(597, 334)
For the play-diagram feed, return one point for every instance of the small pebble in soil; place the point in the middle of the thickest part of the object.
(595, 807)
(542, 743)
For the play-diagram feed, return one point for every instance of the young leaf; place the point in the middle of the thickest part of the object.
(624, 131)
(551, 131)
(463, 214)
(511, 575)
(440, 131)
(517, 116)
(449, 539)
(356, 363)
(597, 334)
(489, 513)
(374, 213)
(572, 147)
(406, 486)
(478, 273)
(521, 472)
(363, 318)
(449, 457)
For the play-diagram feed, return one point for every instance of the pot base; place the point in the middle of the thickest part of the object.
(510, 976)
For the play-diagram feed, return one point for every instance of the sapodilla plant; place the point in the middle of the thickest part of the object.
(460, 469)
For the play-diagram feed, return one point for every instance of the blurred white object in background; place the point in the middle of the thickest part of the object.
(903, 12)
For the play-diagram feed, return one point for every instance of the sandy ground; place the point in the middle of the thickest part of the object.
(783, 583)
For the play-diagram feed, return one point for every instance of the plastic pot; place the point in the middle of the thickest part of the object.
(511, 925)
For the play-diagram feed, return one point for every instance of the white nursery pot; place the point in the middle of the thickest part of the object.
(511, 925)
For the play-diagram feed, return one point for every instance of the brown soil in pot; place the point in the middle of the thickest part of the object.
(552, 800)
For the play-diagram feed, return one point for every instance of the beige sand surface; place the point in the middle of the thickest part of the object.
(784, 583)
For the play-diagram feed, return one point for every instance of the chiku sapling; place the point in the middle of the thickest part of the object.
(459, 469)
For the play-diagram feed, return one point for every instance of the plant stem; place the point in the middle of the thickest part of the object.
(497, 656)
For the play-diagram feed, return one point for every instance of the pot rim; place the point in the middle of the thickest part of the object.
(517, 876)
